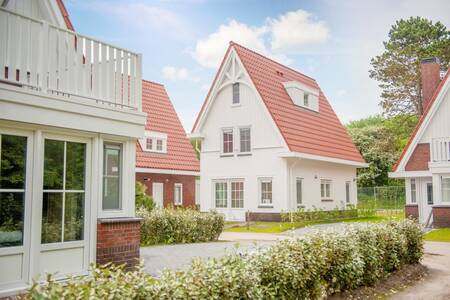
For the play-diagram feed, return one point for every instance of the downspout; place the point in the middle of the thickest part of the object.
(290, 186)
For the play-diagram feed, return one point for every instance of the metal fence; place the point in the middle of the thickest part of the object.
(389, 199)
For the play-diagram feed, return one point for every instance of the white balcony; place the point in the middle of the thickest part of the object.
(440, 150)
(39, 56)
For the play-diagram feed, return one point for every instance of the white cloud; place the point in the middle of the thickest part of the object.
(177, 74)
(296, 29)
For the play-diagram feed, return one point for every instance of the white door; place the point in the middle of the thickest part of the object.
(229, 199)
(427, 202)
(158, 193)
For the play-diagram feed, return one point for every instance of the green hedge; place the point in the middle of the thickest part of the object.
(320, 214)
(179, 225)
(309, 267)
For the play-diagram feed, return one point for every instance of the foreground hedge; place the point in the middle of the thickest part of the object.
(179, 225)
(305, 268)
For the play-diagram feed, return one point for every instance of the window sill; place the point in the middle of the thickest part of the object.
(265, 206)
(326, 200)
(244, 154)
(227, 155)
(300, 206)
(236, 104)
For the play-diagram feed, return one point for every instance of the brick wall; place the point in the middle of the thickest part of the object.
(412, 210)
(260, 216)
(118, 241)
(419, 158)
(169, 181)
(441, 216)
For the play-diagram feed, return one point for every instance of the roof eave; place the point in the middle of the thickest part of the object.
(293, 154)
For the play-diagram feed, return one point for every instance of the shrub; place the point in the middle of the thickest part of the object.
(309, 267)
(315, 214)
(179, 225)
(142, 200)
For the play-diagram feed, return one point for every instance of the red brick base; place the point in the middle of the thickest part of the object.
(118, 241)
(412, 211)
(258, 216)
(441, 216)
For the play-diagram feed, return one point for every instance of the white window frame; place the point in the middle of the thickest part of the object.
(306, 100)
(250, 140)
(180, 186)
(262, 180)
(155, 138)
(238, 94)
(324, 196)
(229, 182)
(413, 191)
(301, 180)
(443, 200)
(231, 193)
(226, 191)
(121, 149)
(222, 135)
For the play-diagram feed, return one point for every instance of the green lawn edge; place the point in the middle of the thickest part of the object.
(438, 235)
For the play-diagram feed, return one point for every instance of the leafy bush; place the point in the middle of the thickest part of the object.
(309, 267)
(142, 200)
(179, 225)
(301, 215)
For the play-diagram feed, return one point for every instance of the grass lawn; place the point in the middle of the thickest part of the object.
(438, 235)
(277, 227)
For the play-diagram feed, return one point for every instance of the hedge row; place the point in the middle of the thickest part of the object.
(320, 214)
(305, 268)
(179, 225)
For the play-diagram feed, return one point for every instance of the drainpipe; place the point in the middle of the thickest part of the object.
(290, 182)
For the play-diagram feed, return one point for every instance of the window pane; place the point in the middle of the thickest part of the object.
(347, 192)
(51, 217)
(429, 193)
(237, 194)
(73, 217)
(413, 191)
(245, 139)
(111, 193)
(445, 189)
(236, 98)
(149, 142)
(177, 194)
(53, 165)
(228, 141)
(13, 161)
(159, 145)
(11, 219)
(299, 191)
(266, 192)
(221, 194)
(112, 162)
(75, 164)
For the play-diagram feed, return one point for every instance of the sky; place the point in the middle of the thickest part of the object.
(183, 41)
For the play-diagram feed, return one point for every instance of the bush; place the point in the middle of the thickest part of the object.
(142, 200)
(309, 267)
(179, 225)
(301, 215)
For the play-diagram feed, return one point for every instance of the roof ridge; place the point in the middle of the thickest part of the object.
(232, 43)
(154, 82)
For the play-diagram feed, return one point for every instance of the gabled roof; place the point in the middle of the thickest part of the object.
(304, 131)
(162, 117)
(412, 140)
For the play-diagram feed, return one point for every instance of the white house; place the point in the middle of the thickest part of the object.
(70, 116)
(425, 161)
(270, 142)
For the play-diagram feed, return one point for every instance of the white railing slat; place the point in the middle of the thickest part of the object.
(118, 83)
(125, 80)
(132, 80)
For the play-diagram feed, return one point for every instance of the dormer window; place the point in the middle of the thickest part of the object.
(303, 95)
(154, 142)
(236, 95)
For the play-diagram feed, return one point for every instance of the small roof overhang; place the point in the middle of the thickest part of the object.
(292, 154)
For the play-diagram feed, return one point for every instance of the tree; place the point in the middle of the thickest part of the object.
(397, 69)
(380, 141)
(142, 200)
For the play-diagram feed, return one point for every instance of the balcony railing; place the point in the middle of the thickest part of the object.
(37, 55)
(440, 150)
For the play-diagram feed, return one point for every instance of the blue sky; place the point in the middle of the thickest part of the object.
(182, 42)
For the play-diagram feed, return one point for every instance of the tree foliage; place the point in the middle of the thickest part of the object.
(380, 141)
(397, 69)
(142, 200)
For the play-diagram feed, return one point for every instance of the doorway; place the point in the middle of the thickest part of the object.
(158, 193)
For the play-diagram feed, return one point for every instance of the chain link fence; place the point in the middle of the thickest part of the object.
(382, 200)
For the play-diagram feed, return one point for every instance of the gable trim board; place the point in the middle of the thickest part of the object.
(423, 124)
(302, 130)
(167, 171)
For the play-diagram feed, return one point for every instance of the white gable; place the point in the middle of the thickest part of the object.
(439, 126)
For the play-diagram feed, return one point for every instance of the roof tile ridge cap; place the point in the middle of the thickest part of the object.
(272, 60)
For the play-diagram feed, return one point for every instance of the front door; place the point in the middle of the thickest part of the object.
(427, 202)
(158, 193)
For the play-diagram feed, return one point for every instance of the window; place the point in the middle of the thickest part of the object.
(306, 100)
(178, 194)
(299, 191)
(159, 145)
(237, 194)
(445, 186)
(266, 191)
(245, 137)
(429, 193)
(112, 173)
(236, 96)
(63, 191)
(347, 192)
(413, 191)
(325, 189)
(221, 191)
(149, 143)
(227, 138)
(13, 151)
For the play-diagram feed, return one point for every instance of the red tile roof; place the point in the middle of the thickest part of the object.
(422, 118)
(304, 131)
(162, 117)
(65, 14)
